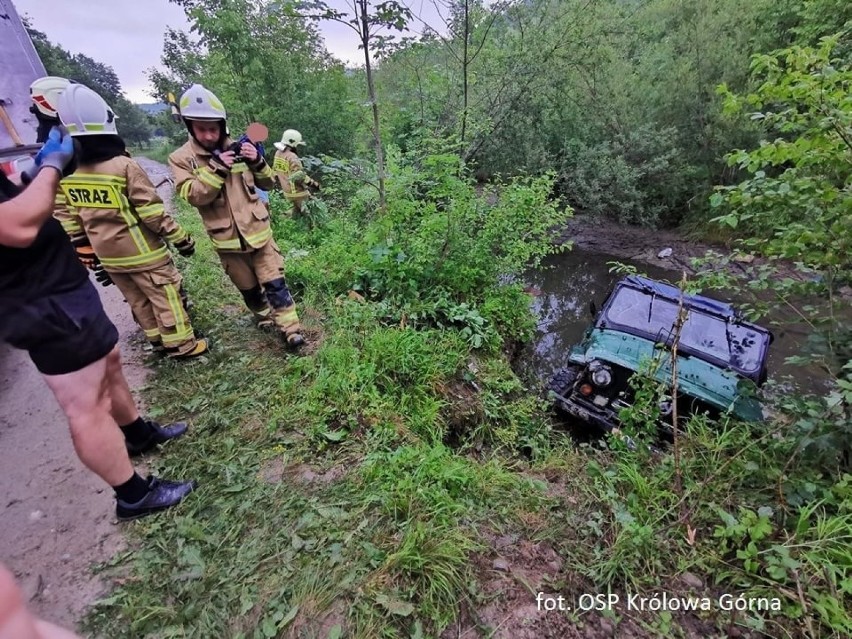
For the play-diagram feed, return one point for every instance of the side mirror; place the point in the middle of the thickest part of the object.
(593, 309)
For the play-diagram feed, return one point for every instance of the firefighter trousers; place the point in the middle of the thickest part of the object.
(158, 307)
(259, 276)
(298, 202)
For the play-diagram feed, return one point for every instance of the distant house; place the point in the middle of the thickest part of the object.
(153, 108)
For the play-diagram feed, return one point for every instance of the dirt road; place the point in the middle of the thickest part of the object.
(56, 518)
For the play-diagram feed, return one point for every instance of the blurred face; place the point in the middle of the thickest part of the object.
(207, 133)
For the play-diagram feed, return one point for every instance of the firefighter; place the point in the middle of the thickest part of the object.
(117, 221)
(51, 310)
(221, 179)
(288, 169)
(45, 94)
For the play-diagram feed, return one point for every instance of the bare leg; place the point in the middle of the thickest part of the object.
(16, 622)
(84, 397)
(124, 409)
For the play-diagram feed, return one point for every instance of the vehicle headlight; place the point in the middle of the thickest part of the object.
(602, 375)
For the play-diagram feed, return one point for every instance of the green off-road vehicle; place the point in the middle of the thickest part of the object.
(721, 359)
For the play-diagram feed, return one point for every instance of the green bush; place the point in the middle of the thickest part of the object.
(639, 177)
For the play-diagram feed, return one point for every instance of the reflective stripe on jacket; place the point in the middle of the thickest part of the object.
(288, 169)
(115, 205)
(233, 213)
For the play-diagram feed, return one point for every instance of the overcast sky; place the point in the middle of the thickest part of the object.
(128, 34)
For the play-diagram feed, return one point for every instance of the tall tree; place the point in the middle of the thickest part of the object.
(468, 25)
(264, 64)
(617, 96)
(368, 21)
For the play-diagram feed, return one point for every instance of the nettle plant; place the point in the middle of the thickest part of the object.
(442, 251)
(795, 206)
(796, 198)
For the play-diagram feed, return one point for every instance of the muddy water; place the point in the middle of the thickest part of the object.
(565, 285)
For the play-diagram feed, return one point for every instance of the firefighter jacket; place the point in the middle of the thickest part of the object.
(234, 216)
(114, 204)
(294, 181)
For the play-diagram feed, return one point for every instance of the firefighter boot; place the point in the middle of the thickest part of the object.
(257, 305)
(202, 346)
(284, 312)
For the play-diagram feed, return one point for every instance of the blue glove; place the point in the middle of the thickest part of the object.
(57, 152)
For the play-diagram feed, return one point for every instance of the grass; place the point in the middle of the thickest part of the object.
(358, 490)
(157, 150)
(250, 556)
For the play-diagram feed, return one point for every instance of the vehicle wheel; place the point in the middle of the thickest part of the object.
(563, 381)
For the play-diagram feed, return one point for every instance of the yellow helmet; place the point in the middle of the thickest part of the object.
(84, 112)
(45, 94)
(290, 137)
(198, 103)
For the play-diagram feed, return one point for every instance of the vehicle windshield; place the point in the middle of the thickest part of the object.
(739, 346)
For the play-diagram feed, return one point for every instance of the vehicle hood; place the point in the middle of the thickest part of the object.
(708, 382)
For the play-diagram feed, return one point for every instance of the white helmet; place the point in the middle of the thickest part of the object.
(198, 103)
(84, 112)
(45, 93)
(290, 137)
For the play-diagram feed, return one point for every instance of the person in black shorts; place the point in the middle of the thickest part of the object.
(49, 308)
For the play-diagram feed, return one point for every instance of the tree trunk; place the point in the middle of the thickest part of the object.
(371, 92)
(465, 64)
